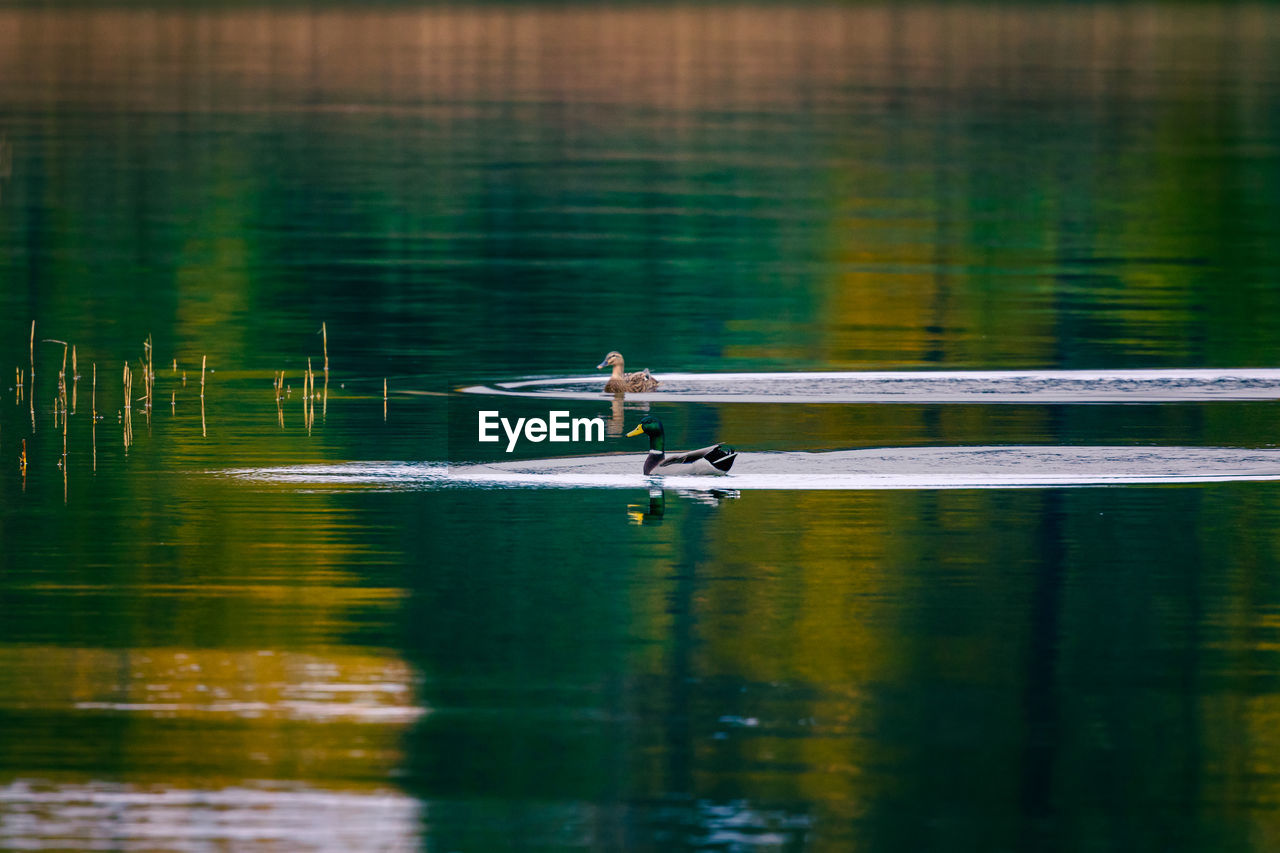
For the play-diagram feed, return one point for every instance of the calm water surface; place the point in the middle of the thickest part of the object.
(191, 660)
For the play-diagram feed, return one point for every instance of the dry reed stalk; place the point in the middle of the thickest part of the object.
(146, 392)
(127, 417)
(278, 384)
(94, 401)
(324, 337)
(62, 379)
(307, 407)
(203, 358)
(148, 372)
(22, 458)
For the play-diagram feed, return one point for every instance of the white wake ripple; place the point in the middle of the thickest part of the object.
(976, 467)
(964, 386)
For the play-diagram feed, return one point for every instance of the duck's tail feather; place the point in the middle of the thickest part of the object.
(719, 456)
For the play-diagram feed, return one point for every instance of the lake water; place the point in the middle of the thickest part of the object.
(232, 621)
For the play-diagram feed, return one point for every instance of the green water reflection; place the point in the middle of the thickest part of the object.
(189, 660)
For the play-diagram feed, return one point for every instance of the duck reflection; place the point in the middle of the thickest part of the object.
(653, 512)
(650, 514)
(616, 427)
(711, 497)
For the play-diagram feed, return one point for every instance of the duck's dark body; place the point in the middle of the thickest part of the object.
(716, 459)
(719, 456)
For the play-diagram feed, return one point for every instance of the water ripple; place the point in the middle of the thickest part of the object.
(975, 467)
(962, 386)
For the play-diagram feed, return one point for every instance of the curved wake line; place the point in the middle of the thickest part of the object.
(958, 386)
(979, 467)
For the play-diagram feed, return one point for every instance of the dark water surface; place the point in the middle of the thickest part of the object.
(193, 660)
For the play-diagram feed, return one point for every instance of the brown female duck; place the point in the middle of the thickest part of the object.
(622, 381)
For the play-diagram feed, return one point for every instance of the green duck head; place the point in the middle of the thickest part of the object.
(652, 427)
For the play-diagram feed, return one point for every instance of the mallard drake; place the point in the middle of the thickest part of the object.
(620, 381)
(716, 459)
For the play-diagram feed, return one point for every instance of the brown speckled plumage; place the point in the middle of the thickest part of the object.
(620, 380)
